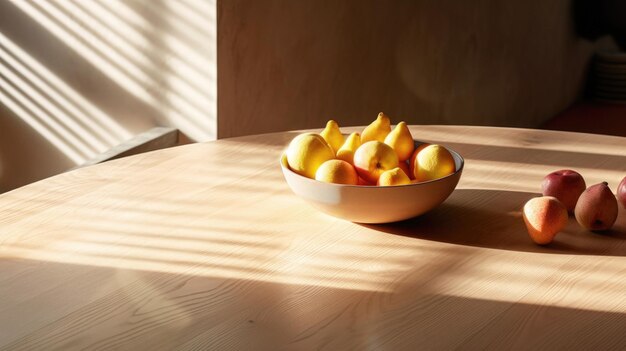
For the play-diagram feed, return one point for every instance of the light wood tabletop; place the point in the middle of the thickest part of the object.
(204, 246)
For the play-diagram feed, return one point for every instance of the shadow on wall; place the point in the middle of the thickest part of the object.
(84, 76)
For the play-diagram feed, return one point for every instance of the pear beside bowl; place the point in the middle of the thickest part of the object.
(374, 204)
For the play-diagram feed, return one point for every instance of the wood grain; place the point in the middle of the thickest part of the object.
(203, 246)
(287, 65)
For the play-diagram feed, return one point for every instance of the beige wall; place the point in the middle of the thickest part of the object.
(81, 76)
(294, 64)
(78, 77)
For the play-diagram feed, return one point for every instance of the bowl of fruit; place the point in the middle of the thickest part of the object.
(377, 176)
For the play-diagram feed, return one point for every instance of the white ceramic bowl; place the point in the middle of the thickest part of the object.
(374, 204)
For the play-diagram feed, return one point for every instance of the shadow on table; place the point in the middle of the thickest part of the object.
(492, 219)
(153, 309)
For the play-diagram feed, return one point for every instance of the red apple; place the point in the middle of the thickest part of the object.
(621, 192)
(566, 185)
(373, 158)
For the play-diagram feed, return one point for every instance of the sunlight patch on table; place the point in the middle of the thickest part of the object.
(519, 176)
(551, 283)
(547, 140)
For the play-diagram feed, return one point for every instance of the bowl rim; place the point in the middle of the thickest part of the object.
(285, 166)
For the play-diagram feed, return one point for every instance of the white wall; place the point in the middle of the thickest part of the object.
(80, 76)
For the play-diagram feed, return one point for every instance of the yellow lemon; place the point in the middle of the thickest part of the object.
(394, 176)
(433, 162)
(338, 172)
(307, 152)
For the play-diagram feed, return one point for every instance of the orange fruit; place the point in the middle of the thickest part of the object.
(338, 172)
(394, 176)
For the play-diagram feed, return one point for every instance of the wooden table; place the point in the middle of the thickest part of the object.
(205, 247)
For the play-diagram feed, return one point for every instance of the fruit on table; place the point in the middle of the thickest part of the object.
(544, 217)
(566, 185)
(596, 209)
(394, 176)
(347, 150)
(377, 130)
(332, 135)
(401, 140)
(433, 162)
(372, 158)
(621, 192)
(307, 152)
(338, 172)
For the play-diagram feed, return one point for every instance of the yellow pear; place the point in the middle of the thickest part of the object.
(401, 140)
(332, 135)
(377, 130)
(347, 150)
(395, 176)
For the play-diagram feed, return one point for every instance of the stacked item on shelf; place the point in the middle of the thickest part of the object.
(608, 79)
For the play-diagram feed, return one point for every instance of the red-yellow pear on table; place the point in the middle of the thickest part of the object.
(596, 209)
(392, 177)
(377, 130)
(544, 217)
(373, 158)
(401, 140)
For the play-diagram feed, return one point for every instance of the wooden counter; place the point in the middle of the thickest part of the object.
(204, 246)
